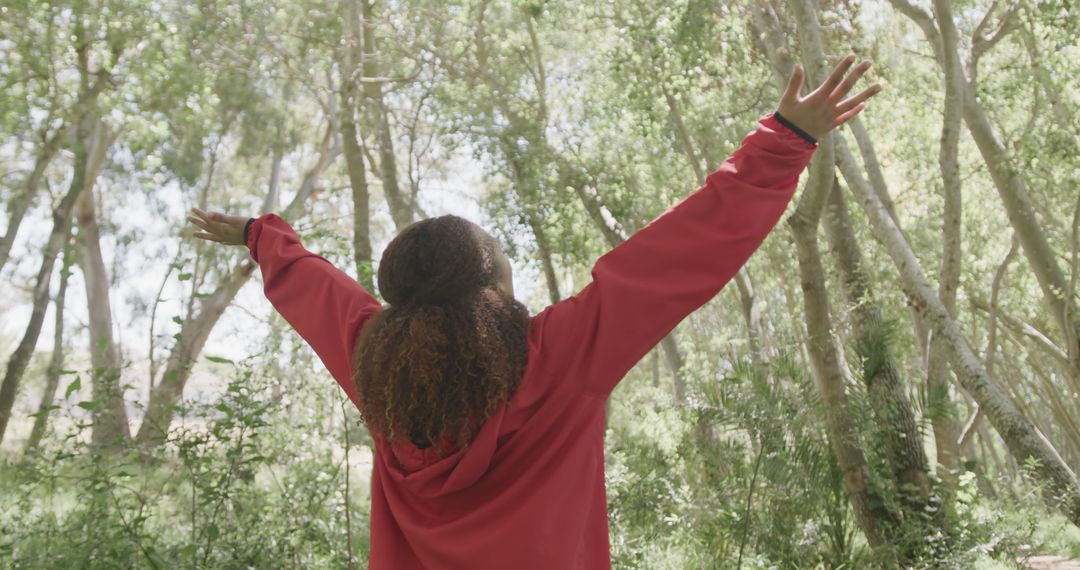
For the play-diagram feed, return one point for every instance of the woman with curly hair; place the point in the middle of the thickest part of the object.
(488, 423)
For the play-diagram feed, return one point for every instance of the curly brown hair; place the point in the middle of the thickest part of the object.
(451, 347)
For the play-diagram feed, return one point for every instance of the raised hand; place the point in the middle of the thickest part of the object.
(828, 106)
(218, 227)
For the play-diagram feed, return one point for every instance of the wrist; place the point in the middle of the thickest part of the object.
(794, 128)
(247, 226)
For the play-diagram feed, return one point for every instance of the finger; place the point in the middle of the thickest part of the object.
(850, 103)
(224, 220)
(843, 118)
(212, 218)
(206, 236)
(837, 74)
(794, 86)
(198, 222)
(849, 81)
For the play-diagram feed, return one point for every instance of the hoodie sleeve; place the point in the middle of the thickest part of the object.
(644, 287)
(326, 306)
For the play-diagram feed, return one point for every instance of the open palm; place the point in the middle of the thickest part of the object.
(828, 106)
(218, 227)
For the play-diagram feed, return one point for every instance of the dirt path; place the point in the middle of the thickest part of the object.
(1051, 563)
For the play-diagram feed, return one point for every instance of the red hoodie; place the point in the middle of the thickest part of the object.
(529, 491)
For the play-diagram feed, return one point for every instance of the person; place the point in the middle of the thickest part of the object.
(488, 424)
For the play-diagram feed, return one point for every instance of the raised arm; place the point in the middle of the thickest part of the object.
(644, 287)
(326, 306)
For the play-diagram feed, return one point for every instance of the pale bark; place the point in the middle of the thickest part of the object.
(109, 416)
(56, 360)
(1009, 181)
(1062, 489)
(61, 228)
(943, 413)
(400, 209)
(354, 156)
(964, 441)
(1024, 329)
(197, 328)
(21, 202)
(826, 363)
(744, 286)
(87, 122)
(895, 420)
(543, 249)
(825, 359)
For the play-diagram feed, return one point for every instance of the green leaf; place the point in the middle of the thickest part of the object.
(213, 531)
(219, 359)
(75, 385)
(157, 560)
(184, 276)
(87, 405)
(178, 320)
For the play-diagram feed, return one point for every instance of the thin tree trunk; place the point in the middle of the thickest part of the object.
(821, 347)
(21, 202)
(991, 342)
(895, 422)
(61, 228)
(354, 155)
(196, 329)
(1062, 489)
(872, 515)
(825, 359)
(943, 413)
(1009, 182)
(110, 423)
(400, 209)
(87, 123)
(56, 361)
(546, 262)
(744, 286)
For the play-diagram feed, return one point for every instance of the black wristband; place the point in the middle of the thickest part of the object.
(246, 226)
(794, 128)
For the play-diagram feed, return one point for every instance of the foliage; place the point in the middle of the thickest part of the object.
(561, 127)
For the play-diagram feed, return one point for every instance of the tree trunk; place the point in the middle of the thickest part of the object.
(87, 125)
(196, 329)
(56, 361)
(400, 208)
(895, 423)
(61, 228)
(826, 362)
(1010, 184)
(872, 515)
(744, 287)
(354, 155)
(546, 262)
(21, 202)
(1062, 489)
(943, 413)
(110, 423)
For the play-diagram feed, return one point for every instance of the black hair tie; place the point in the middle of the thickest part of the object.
(246, 226)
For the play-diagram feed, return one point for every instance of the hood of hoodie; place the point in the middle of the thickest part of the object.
(441, 469)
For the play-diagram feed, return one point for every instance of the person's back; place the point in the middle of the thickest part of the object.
(489, 425)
